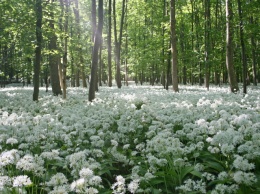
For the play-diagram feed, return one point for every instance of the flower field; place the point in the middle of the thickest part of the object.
(138, 139)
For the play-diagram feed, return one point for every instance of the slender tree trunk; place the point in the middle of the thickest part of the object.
(253, 43)
(93, 18)
(243, 50)
(117, 60)
(126, 47)
(100, 66)
(229, 48)
(65, 59)
(53, 59)
(97, 43)
(60, 72)
(118, 42)
(77, 78)
(168, 71)
(174, 48)
(207, 41)
(109, 48)
(37, 63)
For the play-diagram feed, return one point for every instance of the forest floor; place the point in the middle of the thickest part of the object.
(137, 139)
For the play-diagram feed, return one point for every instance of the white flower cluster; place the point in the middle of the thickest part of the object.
(87, 183)
(9, 157)
(145, 129)
(120, 187)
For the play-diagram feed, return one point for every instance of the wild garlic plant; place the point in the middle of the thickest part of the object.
(134, 140)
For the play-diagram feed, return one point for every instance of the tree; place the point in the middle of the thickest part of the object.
(64, 57)
(97, 44)
(229, 48)
(53, 57)
(109, 45)
(174, 48)
(207, 41)
(243, 52)
(37, 62)
(118, 41)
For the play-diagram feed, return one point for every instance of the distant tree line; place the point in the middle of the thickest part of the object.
(162, 42)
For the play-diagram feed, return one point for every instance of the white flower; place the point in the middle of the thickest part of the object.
(22, 180)
(114, 143)
(119, 186)
(57, 180)
(91, 190)
(26, 163)
(242, 164)
(223, 175)
(86, 173)
(223, 189)
(78, 185)
(9, 157)
(209, 139)
(133, 186)
(53, 155)
(95, 180)
(4, 180)
(244, 178)
(227, 149)
(148, 176)
(11, 141)
(191, 185)
(60, 190)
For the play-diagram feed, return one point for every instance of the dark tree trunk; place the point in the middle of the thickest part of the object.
(93, 18)
(53, 59)
(243, 50)
(109, 46)
(229, 48)
(207, 41)
(174, 48)
(65, 59)
(118, 42)
(253, 43)
(97, 43)
(37, 62)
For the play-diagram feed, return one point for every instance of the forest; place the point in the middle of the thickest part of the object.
(165, 42)
(129, 96)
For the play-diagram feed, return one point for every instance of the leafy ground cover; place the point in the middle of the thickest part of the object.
(138, 139)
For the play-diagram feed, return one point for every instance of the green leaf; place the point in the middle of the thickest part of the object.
(185, 171)
(196, 173)
(156, 191)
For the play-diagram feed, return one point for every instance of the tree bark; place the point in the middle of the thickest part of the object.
(109, 46)
(37, 63)
(53, 59)
(174, 48)
(229, 49)
(207, 41)
(253, 43)
(118, 42)
(243, 52)
(97, 43)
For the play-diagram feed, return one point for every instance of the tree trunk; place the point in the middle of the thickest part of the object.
(174, 48)
(97, 43)
(37, 63)
(207, 41)
(229, 49)
(93, 18)
(118, 42)
(253, 43)
(53, 59)
(109, 46)
(243, 52)
(65, 59)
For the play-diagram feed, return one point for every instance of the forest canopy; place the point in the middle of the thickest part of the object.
(166, 42)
